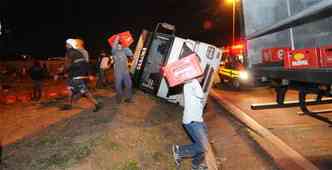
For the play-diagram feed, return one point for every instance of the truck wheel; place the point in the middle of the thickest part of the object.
(302, 97)
(221, 82)
(281, 93)
(236, 84)
(221, 79)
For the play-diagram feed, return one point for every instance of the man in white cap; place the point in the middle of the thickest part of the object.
(78, 73)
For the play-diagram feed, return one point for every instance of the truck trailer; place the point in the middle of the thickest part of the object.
(156, 49)
(289, 43)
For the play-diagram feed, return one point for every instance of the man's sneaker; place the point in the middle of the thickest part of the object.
(176, 156)
(200, 167)
(129, 100)
(97, 107)
(118, 99)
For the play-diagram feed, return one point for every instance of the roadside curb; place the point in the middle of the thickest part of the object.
(284, 155)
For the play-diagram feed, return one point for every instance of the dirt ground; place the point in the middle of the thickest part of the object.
(127, 136)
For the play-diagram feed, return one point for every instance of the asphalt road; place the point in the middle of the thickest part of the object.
(305, 135)
(233, 146)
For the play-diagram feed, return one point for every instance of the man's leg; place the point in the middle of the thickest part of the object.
(90, 97)
(200, 136)
(72, 90)
(128, 86)
(198, 133)
(83, 89)
(34, 90)
(99, 81)
(39, 90)
(118, 88)
(102, 77)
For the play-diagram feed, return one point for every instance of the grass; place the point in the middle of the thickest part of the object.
(158, 156)
(129, 165)
(48, 140)
(114, 146)
(102, 120)
(67, 157)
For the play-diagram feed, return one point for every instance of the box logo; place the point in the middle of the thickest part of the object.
(299, 60)
(298, 56)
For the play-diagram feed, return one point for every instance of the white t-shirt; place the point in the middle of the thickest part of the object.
(104, 64)
(193, 102)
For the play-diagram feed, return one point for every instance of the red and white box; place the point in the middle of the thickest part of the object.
(273, 55)
(184, 69)
(325, 56)
(125, 39)
(302, 58)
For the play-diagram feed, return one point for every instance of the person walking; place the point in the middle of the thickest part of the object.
(37, 75)
(195, 127)
(78, 74)
(103, 64)
(121, 73)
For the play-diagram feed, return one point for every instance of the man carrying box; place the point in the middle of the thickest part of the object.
(193, 123)
(121, 72)
(195, 127)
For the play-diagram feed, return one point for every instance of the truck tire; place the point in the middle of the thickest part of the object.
(281, 93)
(221, 79)
(236, 84)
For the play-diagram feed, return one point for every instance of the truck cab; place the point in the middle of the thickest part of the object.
(233, 70)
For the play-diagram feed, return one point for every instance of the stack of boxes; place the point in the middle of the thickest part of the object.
(274, 55)
(299, 58)
(325, 54)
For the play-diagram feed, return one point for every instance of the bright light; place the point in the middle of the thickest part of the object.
(244, 75)
(231, 1)
(239, 46)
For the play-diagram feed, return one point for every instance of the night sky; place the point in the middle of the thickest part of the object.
(40, 28)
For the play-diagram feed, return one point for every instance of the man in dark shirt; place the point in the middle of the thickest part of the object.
(37, 75)
(78, 74)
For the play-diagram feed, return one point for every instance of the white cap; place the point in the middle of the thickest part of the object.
(72, 42)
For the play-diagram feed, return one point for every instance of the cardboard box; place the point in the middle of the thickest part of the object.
(325, 56)
(184, 69)
(302, 58)
(125, 39)
(25, 98)
(273, 55)
(10, 99)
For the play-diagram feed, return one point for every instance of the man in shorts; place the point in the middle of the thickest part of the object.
(78, 74)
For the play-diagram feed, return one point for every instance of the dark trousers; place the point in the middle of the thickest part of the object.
(37, 89)
(120, 79)
(102, 78)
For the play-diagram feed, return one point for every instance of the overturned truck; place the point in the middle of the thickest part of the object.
(156, 49)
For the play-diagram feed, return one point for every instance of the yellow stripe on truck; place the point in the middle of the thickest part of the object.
(230, 73)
